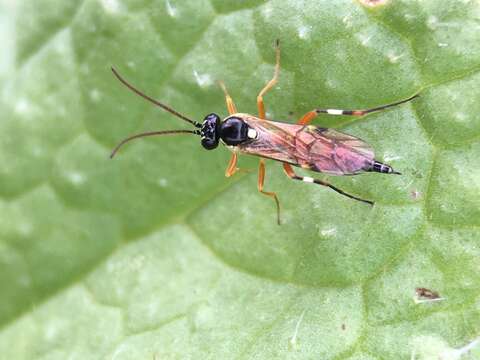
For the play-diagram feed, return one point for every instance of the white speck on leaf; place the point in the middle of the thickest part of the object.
(203, 80)
(122, 348)
(393, 58)
(460, 116)
(51, 331)
(330, 232)
(449, 208)
(112, 6)
(267, 11)
(390, 157)
(364, 38)
(347, 20)
(304, 32)
(432, 22)
(422, 301)
(293, 339)
(95, 95)
(162, 182)
(171, 10)
(22, 106)
(332, 83)
(409, 17)
(76, 178)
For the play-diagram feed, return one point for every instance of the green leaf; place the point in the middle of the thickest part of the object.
(155, 254)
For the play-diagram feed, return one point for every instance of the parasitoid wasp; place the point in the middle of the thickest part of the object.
(307, 146)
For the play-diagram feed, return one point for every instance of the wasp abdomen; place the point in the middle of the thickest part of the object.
(377, 166)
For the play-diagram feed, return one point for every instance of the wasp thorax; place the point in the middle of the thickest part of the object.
(209, 132)
(234, 131)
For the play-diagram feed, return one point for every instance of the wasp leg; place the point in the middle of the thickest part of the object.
(232, 109)
(305, 119)
(270, 84)
(292, 175)
(232, 166)
(312, 114)
(261, 179)
(232, 169)
(261, 115)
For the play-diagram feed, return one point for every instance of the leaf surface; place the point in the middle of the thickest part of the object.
(156, 255)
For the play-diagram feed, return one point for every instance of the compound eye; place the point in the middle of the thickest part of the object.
(209, 143)
(213, 118)
(234, 131)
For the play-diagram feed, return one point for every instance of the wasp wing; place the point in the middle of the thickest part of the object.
(333, 152)
(308, 146)
(273, 140)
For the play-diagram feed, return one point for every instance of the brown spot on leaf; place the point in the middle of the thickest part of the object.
(426, 293)
(415, 194)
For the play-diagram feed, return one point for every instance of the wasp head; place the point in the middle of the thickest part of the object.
(210, 131)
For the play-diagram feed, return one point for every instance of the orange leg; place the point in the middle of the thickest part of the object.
(261, 179)
(232, 166)
(261, 115)
(305, 119)
(270, 84)
(291, 174)
(232, 109)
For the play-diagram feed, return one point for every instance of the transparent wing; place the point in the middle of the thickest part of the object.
(272, 141)
(333, 152)
(311, 147)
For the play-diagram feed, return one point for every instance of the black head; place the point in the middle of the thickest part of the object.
(210, 131)
(234, 131)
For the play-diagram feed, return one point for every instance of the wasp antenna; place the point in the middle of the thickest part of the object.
(150, 133)
(152, 100)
